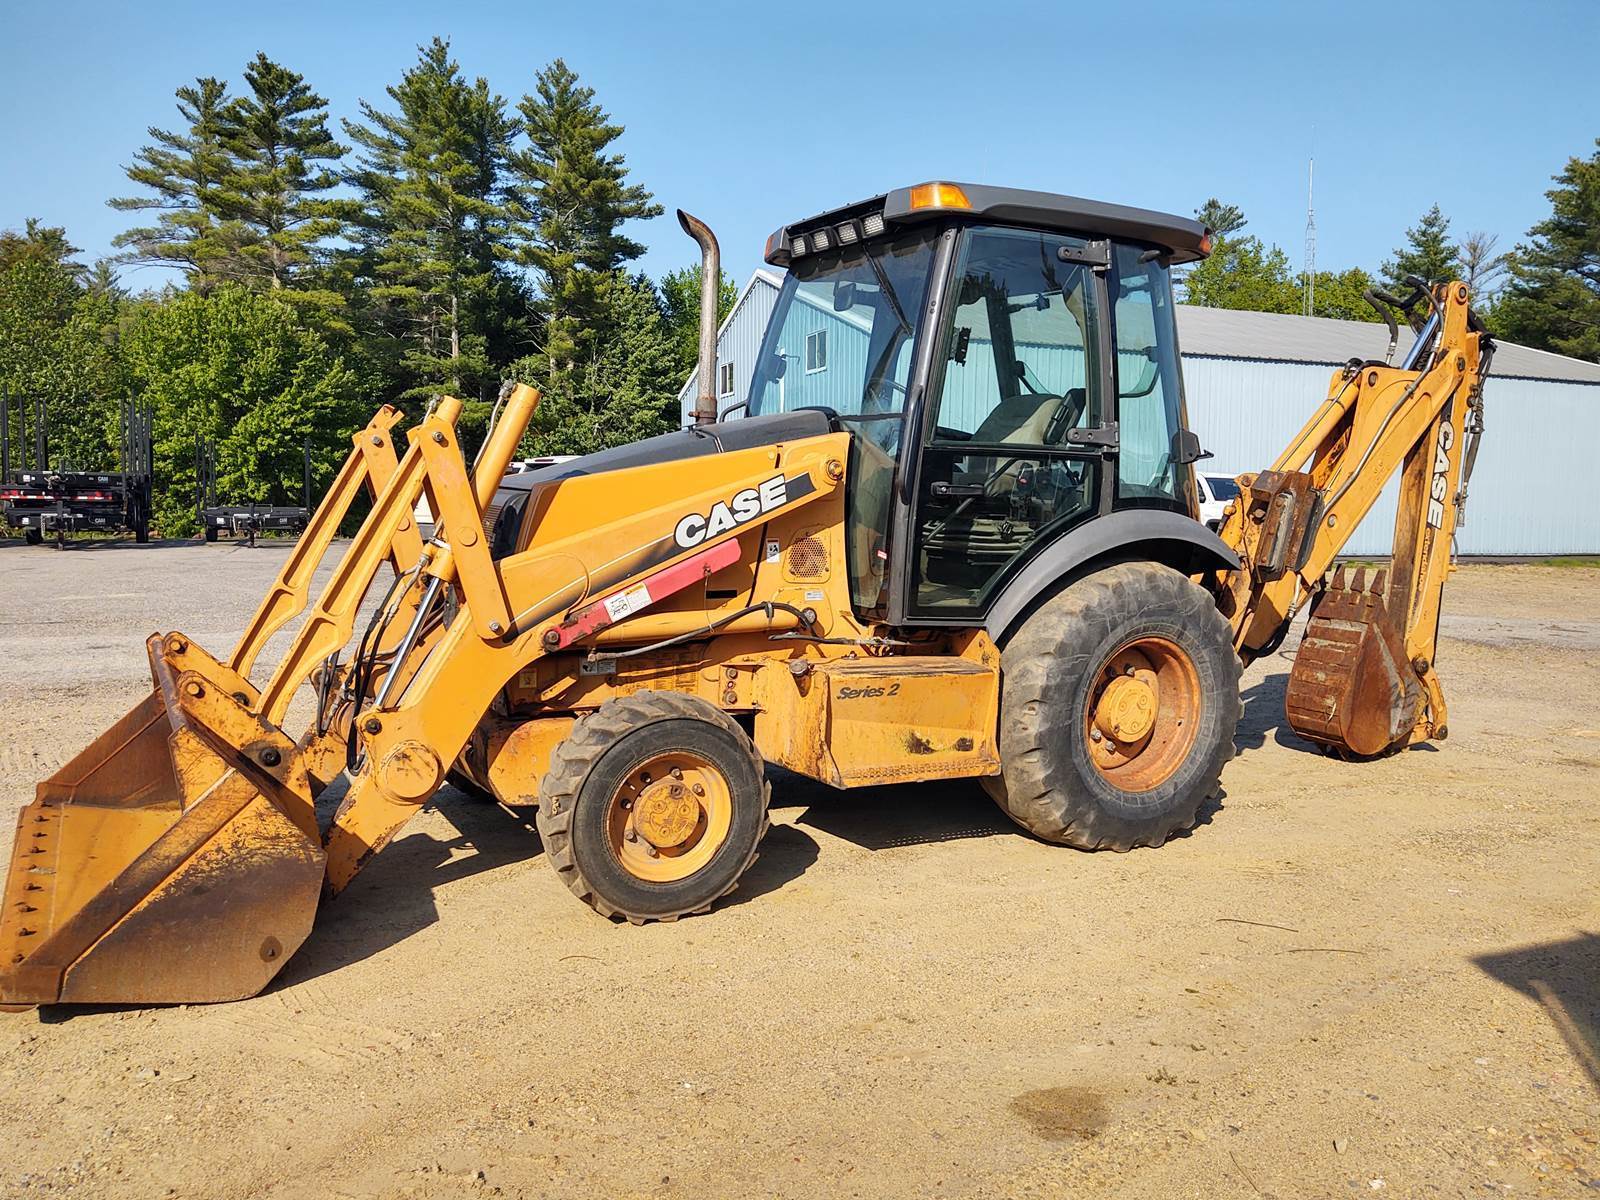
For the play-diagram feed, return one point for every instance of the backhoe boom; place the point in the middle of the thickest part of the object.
(1364, 680)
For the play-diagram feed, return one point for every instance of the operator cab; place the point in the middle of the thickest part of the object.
(1008, 363)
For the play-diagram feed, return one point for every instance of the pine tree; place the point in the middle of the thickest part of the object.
(575, 198)
(623, 389)
(1429, 254)
(1222, 219)
(270, 200)
(38, 242)
(1553, 299)
(182, 172)
(1482, 269)
(431, 220)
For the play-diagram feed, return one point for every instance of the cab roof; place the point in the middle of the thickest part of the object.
(1182, 238)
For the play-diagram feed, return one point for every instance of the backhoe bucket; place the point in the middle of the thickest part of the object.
(175, 860)
(1351, 686)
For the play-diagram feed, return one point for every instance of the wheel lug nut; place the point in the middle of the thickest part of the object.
(652, 852)
(677, 772)
(699, 789)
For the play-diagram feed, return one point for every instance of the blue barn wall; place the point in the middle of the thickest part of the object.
(1531, 492)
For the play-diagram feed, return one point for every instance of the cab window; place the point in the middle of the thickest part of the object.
(1149, 383)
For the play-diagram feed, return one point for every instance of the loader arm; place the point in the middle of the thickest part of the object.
(370, 463)
(1364, 678)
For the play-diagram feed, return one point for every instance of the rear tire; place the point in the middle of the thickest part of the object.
(211, 533)
(33, 537)
(1147, 774)
(653, 806)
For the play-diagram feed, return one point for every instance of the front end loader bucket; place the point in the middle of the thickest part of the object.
(1352, 687)
(175, 860)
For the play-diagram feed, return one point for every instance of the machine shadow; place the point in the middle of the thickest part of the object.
(907, 814)
(1263, 716)
(1564, 977)
(786, 853)
(393, 897)
(100, 545)
(918, 814)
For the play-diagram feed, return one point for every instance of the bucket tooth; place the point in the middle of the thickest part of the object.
(176, 859)
(1352, 686)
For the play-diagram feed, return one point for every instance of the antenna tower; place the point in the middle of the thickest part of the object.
(1310, 307)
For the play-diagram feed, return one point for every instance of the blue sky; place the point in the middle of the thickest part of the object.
(750, 116)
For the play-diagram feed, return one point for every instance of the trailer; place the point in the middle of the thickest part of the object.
(248, 519)
(44, 500)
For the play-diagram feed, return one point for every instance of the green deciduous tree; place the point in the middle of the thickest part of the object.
(57, 344)
(432, 223)
(1552, 301)
(680, 306)
(180, 171)
(1244, 272)
(1428, 253)
(1339, 295)
(239, 367)
(575, 198)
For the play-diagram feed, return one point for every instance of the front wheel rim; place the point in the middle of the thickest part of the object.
(1143, 713)
(669, 816)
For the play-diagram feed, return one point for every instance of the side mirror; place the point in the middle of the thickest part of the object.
(844, 296)
(780, 364)
(1186, 447)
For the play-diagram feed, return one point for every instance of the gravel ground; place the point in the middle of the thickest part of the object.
(1349, 979)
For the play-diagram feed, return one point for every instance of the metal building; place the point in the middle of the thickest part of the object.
(1251, 379)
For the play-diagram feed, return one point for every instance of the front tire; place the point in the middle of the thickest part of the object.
(653, 806)
(1119, 701)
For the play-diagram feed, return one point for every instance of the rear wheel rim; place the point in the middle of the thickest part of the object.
(669, 816)
(1143, 713)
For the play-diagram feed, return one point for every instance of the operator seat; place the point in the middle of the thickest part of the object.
(1032, 419)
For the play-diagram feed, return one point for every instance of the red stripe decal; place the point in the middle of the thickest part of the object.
(648, 591)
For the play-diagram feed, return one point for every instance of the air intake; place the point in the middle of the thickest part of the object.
(806, 559)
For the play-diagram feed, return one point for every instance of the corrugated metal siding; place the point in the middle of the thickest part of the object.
(969, 388)
(838, 385)
(739, 343)
(1530, 491)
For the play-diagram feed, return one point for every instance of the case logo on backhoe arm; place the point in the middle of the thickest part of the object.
(740, 509)
(1441, 475)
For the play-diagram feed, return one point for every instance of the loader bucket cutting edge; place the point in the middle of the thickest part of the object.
(1351, 686)
(165, 863)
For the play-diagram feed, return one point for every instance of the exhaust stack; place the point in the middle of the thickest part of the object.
(705, 405)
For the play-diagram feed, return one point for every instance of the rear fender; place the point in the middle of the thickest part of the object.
(1148, 534)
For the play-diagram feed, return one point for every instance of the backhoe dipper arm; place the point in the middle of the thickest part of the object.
(1366, 665)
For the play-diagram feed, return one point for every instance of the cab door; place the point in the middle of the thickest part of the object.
(1014, 439)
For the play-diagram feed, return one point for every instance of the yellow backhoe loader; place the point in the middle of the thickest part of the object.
(951, 535)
